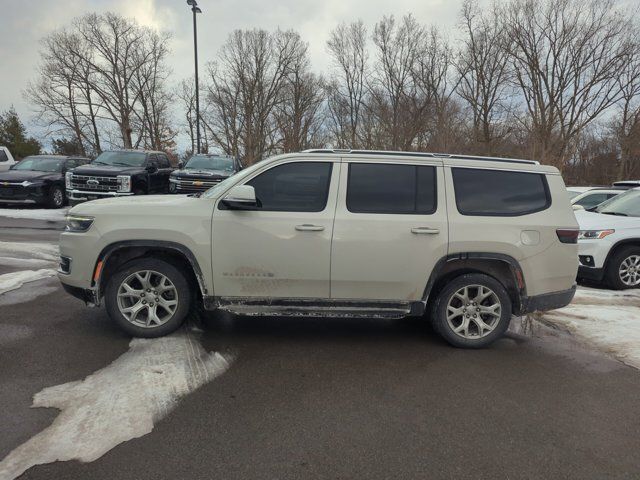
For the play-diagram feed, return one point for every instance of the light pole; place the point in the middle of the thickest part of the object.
(195, 9)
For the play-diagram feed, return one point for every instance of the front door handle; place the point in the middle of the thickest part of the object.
(425, 231)
(309, 228)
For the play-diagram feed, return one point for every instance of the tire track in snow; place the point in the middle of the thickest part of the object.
(117, 403)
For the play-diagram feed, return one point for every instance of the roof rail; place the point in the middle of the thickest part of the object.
(420, 154)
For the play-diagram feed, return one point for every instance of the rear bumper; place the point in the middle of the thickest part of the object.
(547, 301)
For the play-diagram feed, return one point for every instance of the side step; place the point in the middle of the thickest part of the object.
(311, 308)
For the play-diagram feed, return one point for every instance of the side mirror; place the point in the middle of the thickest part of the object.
(241, 197)
(152, 168)
(577, 207)
(180, 164)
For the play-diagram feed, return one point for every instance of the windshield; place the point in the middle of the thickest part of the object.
(626, 204)
(40, 164)
(210, 162)
(237, 178)
(122, 159)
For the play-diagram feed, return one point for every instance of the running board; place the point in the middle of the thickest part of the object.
(314, 307)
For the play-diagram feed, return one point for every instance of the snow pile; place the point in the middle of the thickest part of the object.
(43, 256)
(609, 320)
(14, 280)
(35, 213)
(28, 250)
(117, 403)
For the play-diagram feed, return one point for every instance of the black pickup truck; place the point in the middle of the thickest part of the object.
(119, 173)
(201, 172)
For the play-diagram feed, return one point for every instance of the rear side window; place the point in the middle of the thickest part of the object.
(388, 188)
(499, 193)
(3, 156)
(163, 161)
(293, 187)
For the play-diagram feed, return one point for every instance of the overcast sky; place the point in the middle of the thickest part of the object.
(24, 23)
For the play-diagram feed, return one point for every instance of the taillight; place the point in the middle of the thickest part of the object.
(568, 235)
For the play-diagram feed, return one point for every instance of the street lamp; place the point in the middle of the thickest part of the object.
(195, 9)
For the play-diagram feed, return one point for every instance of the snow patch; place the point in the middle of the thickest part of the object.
(117, 403)
(57, 215)
(40, 251)
(608, 320)
(14, 280)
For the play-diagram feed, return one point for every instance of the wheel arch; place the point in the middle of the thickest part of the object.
(627, 242)
(503, 268)
(118, 253)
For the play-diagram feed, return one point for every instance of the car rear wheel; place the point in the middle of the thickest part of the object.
(55, 199)
(472, 311)
(148, 298)
(623, 270)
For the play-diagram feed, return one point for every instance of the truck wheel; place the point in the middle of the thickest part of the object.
(623, 269)
(55, 197)
(472, 311)
(148, 297)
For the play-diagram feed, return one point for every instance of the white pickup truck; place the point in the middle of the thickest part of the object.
(6, 159)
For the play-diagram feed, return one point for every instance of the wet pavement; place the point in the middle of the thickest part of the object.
(323, 398)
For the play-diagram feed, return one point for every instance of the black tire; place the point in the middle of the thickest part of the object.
(612, 273)
(55, 197)
(139, 191)
(439, 311)
(184, 297)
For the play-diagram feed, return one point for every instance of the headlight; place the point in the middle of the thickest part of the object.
(124, 183)
(173, 179)
(67, 180)
(594, 234)
(77, 223)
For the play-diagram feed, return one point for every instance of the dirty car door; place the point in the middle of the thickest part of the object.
(282, 248)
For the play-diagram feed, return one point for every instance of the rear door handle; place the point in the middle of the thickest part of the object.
(425, 231)
(309, 228)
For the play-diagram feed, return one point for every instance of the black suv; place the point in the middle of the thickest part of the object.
(120, 173)
(38, 179)
(201, 172)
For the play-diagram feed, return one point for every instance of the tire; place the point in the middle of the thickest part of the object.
(55, 197)
(613, 276)
(137, 321)
(139, 191)
(449, 302)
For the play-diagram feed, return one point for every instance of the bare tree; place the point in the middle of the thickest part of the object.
(567, 56)
(483, 67)
(246, 87)
(347, 46)
(626, 122)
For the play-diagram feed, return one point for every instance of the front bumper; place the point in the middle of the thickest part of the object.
(84, 195)
(87, 295)
(590, 273)
(22, 195)
(547, 301)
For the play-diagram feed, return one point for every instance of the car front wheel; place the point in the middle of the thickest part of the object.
(55, 199)
(623, 270)
(148, 297)
(472, 311)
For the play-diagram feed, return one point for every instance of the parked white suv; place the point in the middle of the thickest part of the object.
(6, 159)
(468, 240)
(609, 245)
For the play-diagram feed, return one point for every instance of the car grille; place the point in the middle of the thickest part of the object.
(98, 184)
(195, 185)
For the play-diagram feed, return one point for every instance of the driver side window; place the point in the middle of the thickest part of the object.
(293, 187)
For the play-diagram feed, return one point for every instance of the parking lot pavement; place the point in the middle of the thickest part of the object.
(320, 398)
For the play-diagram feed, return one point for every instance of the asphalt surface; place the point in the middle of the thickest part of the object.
(333, 398)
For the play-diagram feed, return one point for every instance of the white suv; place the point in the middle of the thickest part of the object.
(609, 244)
(468, 240)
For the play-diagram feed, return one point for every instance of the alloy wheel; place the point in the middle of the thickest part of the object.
(147, 299)
(629, 271)
(58, 197)
(473, 311)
